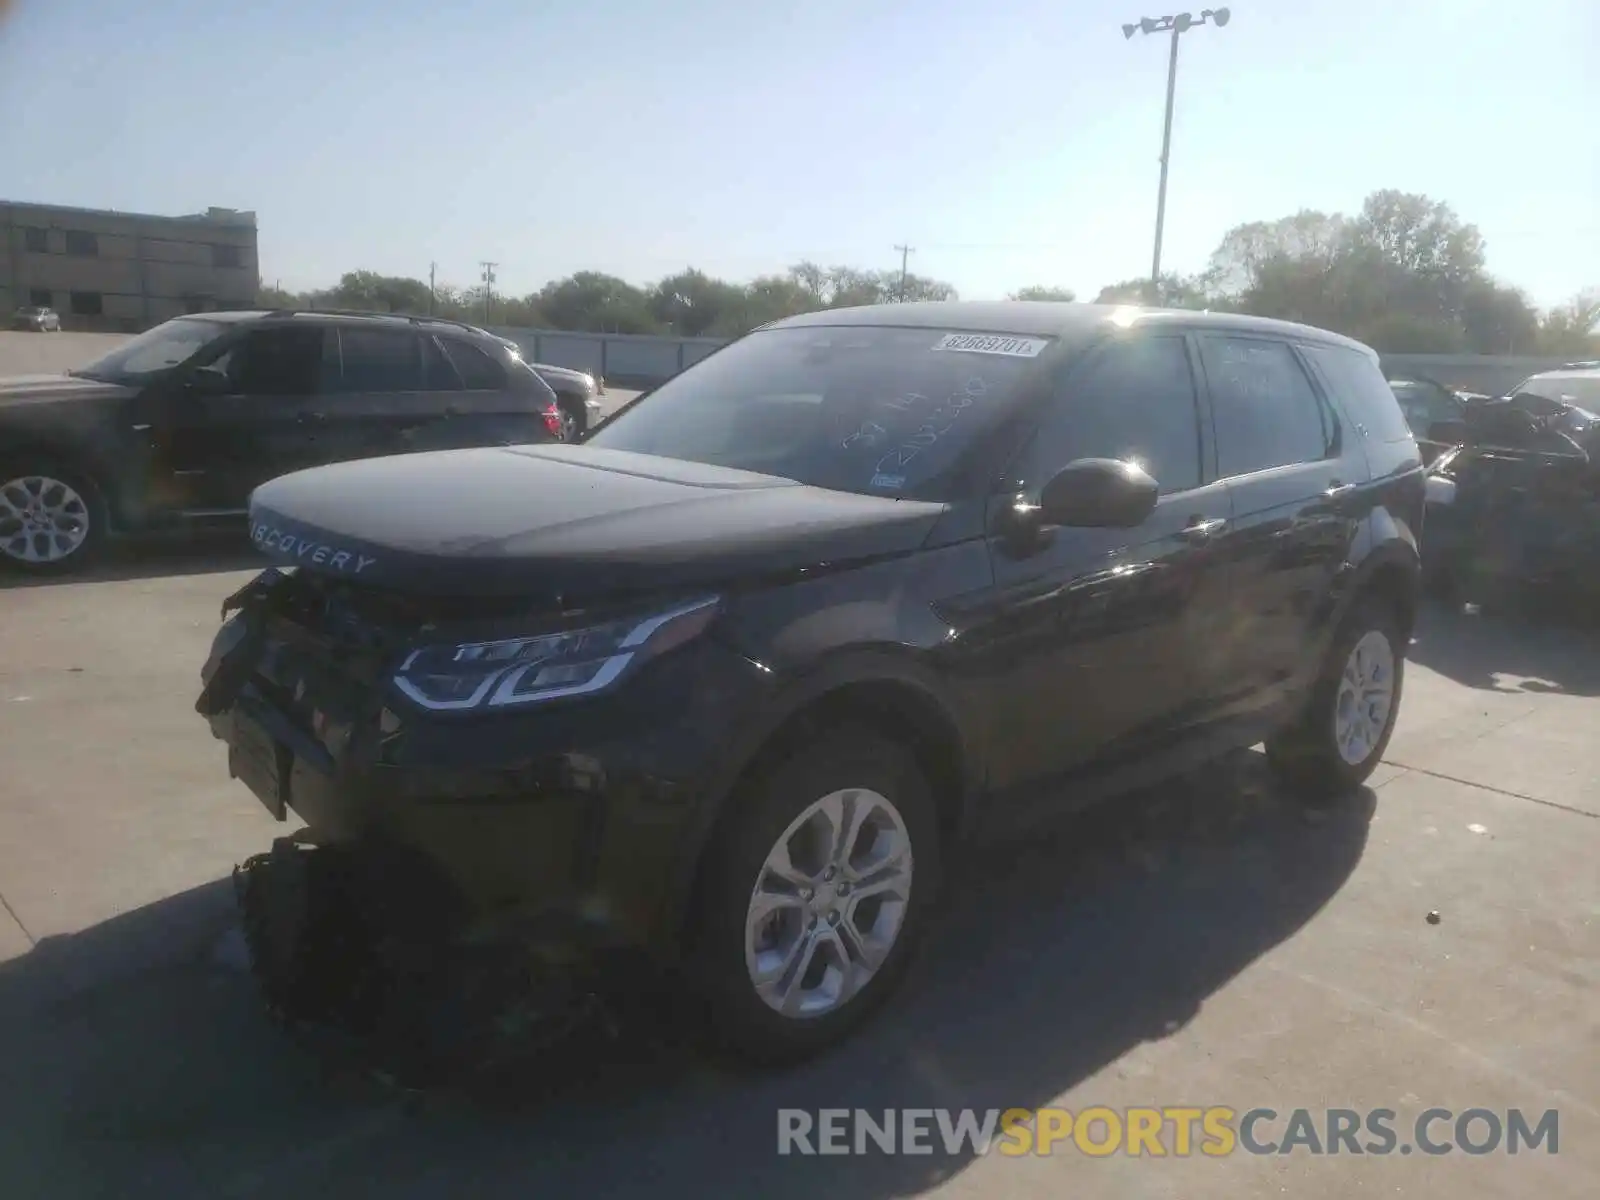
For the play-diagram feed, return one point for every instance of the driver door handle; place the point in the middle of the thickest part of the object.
(311, 418)
(1337, 490)
(1202, 529)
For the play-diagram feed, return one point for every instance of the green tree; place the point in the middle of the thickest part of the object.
(1174, 291)
(1572, 329)
(1498, 320)
(597, 303)
(1043, 293)
(912, 287)
(767, 298)
(691, 303)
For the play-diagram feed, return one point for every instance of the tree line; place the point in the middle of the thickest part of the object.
(1404, 274)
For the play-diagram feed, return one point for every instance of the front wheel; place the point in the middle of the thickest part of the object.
(52, 518)
(1345, 728)
(815, 897)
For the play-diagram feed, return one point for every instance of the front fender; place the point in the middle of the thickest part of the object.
(876, 665)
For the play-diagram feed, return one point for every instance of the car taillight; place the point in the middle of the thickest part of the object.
(552, 419)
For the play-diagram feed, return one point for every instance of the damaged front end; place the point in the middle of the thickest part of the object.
(1514, 519)
(357, 931)
(343, 950)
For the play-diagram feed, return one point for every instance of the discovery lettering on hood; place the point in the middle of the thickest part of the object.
(302, 549)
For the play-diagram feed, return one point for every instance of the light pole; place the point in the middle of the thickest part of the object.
(1178, 25)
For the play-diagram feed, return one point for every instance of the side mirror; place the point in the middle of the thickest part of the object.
(1099, 493)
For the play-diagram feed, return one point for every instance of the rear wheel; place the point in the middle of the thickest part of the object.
(815, 897)
(1345, 728)
(572, 420)
(52, 517)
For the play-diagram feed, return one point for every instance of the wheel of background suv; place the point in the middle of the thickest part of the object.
(52, 517)
(815, 897)
(1342, 734)
(572, 420)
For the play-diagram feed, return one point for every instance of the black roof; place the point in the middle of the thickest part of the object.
(339, 314)
(1067, 320)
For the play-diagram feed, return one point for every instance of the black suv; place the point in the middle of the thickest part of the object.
(734, 680)
(178, 424)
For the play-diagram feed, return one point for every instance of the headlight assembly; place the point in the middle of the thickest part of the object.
(527, 670)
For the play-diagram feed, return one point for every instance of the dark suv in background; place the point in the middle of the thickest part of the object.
(735, 679)
(178, 424)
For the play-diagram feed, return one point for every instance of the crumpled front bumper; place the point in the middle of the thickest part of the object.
(568, 826)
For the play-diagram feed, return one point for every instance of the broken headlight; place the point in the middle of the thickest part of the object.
(528, 670)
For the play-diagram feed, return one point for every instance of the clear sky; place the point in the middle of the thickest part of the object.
(1011, 142)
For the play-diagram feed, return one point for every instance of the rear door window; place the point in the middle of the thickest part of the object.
(1264, 409)
(380, 360)
(479, 372)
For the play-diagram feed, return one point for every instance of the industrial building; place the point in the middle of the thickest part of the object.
(123, 272)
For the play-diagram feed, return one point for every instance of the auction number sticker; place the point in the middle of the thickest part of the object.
(988, 343)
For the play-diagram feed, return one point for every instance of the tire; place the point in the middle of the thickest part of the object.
(65, 493)
(573, 420)
(1307, 754)
(740, 1022)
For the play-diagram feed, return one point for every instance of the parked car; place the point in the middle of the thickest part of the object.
(1568, 399)
(577, 392)
(1515, 509)
(36, 319)
(178, 424)
(737, 681)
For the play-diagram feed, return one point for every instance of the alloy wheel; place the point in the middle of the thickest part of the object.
(1365, 697)
(829, 903)
(42, 520)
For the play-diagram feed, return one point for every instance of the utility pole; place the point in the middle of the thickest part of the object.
(905, 253)
(1178, 25)
(433, 293)
(488, 286)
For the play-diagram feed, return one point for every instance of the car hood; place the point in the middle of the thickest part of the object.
(46, 389)
(563, 524)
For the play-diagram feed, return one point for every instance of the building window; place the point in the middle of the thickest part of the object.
(41, 297)
(79, 242)
(36, 240)
(87, 304)
(225, 255)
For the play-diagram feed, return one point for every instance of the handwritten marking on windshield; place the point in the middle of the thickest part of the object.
(939, 422)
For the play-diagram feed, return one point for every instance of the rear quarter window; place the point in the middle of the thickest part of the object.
(1359, 387)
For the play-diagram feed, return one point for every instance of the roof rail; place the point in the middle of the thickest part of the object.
(413, 318)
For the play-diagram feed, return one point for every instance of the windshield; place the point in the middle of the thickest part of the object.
(874, 410)
(154, 351)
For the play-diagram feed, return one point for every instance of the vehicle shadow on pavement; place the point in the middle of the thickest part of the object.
(211, 552)
(1054, 958)
(1530, 648)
